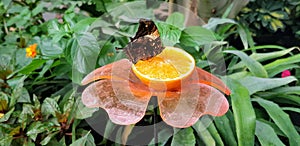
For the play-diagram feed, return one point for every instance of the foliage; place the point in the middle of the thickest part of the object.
(272, 15)
(40, 96)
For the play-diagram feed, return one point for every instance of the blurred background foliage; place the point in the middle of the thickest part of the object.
(255, 40)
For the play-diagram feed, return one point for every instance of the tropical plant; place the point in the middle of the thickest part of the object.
(40, 98)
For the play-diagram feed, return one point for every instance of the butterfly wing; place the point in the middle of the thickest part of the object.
(146, 42)
(119, 92)
(143, 48)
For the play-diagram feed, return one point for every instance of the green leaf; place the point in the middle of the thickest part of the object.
(35, 64)
(203, 133)
(241, 104)
(6, 140)
(255, 67)
(7, 115)
(130, 11)
(83, 112)
(281, 119)
(266, 135)
(255, 84)
(87, 140)
(270, 55)
(47, 139)
(169, 34)
(214, 22)
(274, 71)
(24, 97)
(107, 54)
(49, 106)
(38, 9)
(285, 61)
(195, 36)
(82, 52)
(83, 25)
(223, 125)
(183, 137)
(162, 137)
(176, 19)
(35, 128)
(291, 109)
(17, 91)
(51, 49)
(215, 134)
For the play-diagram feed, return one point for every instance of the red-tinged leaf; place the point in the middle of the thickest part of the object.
(183, 108)
(211, 80)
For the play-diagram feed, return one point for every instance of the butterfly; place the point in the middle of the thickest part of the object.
(145, 44)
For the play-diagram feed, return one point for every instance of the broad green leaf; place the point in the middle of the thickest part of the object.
(225, 130)
(273, 125)
(281, 119)
(274, 71)
(215, 134)
(24, 98)
(169, 34)
(291, 109)
(83, 25)
(87, 140)
(162, 137)
(129, 11)
(203, 133)
(35, 64)
(285, 61)
(82, 52)
(286, 90)
(38, 9)
(270, 55)
(176, 19)
(241, 104)
(287, 99)
(183, 137)
(260, 57)
(255, 67)
(266, 135)
(51, 49)
(49, 106)
(195, 36)
(255, 84)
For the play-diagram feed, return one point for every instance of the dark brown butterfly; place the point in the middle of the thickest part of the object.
(145, 44)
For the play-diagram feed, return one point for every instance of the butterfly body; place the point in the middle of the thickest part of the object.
(145, 44)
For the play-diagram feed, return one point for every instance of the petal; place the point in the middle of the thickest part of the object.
(207, 78)
(124, 105)
(118, 70)
(183, 108)
(121, 94)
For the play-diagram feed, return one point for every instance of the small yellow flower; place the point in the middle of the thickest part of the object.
(31, 51)
(1, 115)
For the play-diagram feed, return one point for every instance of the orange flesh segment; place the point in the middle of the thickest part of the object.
(157, 68)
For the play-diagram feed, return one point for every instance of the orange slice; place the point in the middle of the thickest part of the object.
(166, 70)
